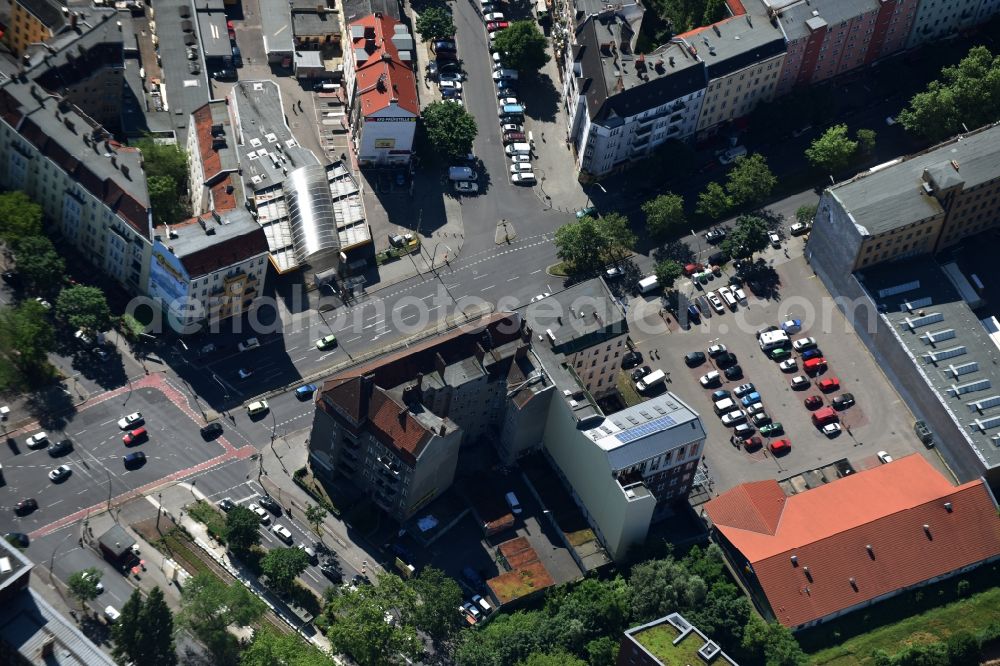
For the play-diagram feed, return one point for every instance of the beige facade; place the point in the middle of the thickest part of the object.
(737, 94)
(31, 21)
(913, 239)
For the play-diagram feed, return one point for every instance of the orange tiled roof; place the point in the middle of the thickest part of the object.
(384, 78)
(828, 531)
(396, 427)
(210, 160)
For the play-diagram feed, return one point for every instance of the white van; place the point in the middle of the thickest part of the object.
(650, 380)
(772, 340)
(111, 614)
(249, 343)
(461, 173)
(648, 284)
(515, 506)
(518, 149)
(724, 406)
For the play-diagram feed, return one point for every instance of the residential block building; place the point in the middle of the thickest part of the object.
(212, 159)
(32, 22)
(315, 25)
(935, 19)
(854, 542)
(669, 641)
(911, 206)
(381, 90)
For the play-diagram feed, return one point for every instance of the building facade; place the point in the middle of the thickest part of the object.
(213, 164)
(381, 91)
(935, 19)
(315, 25)
(32, 22)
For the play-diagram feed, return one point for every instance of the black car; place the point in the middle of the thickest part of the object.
(331, 569)
(725, 360)
(60, 448)
(444, 45)
(734, 372)
(694, 314)
(134, 459)
(13, 279)
(268, 503)
(694, 359)
(843, 401)
(716, 235)
(225, 74)
(631, 359)
(639, 373)
(25, 506)
(237, 57)
(717, 258)
(227, 504)
(211, 431)
(19, 539)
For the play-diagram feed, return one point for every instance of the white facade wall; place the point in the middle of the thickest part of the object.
(386, 136)
(736, 95)
(939, 18)
(196, 173)
(597, 365)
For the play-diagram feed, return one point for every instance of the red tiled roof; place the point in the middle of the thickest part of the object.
(383, 78)
(828, 530)
(394, 426)
(220, 255)
(210, 160)
(223, 197)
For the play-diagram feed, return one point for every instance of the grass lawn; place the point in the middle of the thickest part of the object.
(205, 513)
(934, 624)
(659, 640)
(626, 389)
(176, 544)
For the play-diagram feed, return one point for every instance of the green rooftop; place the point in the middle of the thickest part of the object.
(658, 640)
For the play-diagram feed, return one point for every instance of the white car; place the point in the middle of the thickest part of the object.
(455, 100)
(282, 532)
(133, 420)
(831, 429)
(740, 295)
(775, 240)
(44, 303)
(82, 337)
(734, 417)
(521, 167)
(37, 441)
(716, 302)
(60, 473)
(451, 85)
(884, 457)
(496, 59)
(520, 158)
(803, 343)
(788, 365)
(262, 514)
(709, 378)
(798, 229)
(527, 178)
(799, 382)
(540, 297)
(716, 350)
(451, 76)
(465, 187)
(493, 18)
(890, 121)
(511, 127)
(508, 100)
(755, 408)
(729, 156)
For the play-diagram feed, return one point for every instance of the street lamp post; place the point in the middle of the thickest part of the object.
(159, 508)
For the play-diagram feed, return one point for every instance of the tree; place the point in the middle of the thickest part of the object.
(26, 335)
(664, 215)
(963, 648)
(269, 648)
(715, 10)
(558, 658)
(437, 598)
(20, 217)
(616, 236)
(164, 199)
(507, 639)
(315, 515)
(157, 645)
(774, 641)
(747, 237)
(38, 263)
(435, 23)
(663, 586)
(866, 140)
(209, 606)
(164, 159)
(127, 631)
(85, 308)
(833, 150)
(450, 129)
(602, 651)
(714, 203)
(242, 529)
(667, 272)
(83, 585)
(522, 46)
(750, 180)
(588, 243)
(584, 612)
(282, 565)
(359, 626)
(805, 214)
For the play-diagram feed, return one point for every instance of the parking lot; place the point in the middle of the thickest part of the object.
(878, 421)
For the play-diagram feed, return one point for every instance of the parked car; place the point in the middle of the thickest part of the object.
(262, 515)
(884, 457)
(780, 446)
(799, 382)
(450, 85)
(803, 343)
(716, 350)
(831, 429)
(792, 326)
(750, 398)
(813, 402)
(710, 379)
(257, 408)
(465, 187)
(451, 76)
(305, 391)
(493, 16)
(752, 443)
(729, 156)
(775, 240)
(843, 401)
(721, 394)
(133, 420)
(37, 441)
(639, 373)
(734, 417)
(631, 359)
(716, 302)
(811, 353)
(760, 419)
(788, 365)
(734, 372)
(726, 360)
(694, 359)
(226, 504)
(716, 235)
(270, 504)
(282, 533)
(772, 429)
(497, 25)
(829, 384)
(743, 389)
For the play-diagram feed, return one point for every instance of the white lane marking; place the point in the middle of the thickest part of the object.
(299, 359)
(487, 288)
(514, 278)
(353, 339)
(480, 277)
(533, 272)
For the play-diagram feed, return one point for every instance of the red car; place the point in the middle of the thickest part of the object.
(780, 446)
(231, 29)
(813, 402)
(829, 384)
(135, 436)
(691, 269)
(752, 443)
(497, 25)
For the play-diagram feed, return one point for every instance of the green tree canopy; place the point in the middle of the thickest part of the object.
(209, 606)
(833, 150)
(39, 264)
(164, 199)
(156, 645)
(315, 515)
(966, 93)
(603, 651)
(557, 658)
(26, 335)
(507, 639)
(438, 597)
(750, 181)
(20, 217)
(663, 586)
(522, 46)
(83, 584)
(664, 215)
(269, 648)
(588, 244)
(773, 641)
(435, 23)
(586, 611)
(714, 203)
(164, 159)
(747, 237)
(84, 308)
(450, 128)
(866, 140)
(282, 565)
(242, 529)
(127, 631)
(370, 623)
(806, 213)
(667, 272)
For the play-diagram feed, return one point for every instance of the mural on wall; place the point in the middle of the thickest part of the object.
(168, 280)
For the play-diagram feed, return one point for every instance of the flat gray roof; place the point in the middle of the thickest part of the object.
(894, 196)
(795, 15)
(191, 237)
(185, 91)
(960, 339)
(737, 43)
(28, 622)
(276, 26)
(311, 23)
(628, 436)
(214, 35)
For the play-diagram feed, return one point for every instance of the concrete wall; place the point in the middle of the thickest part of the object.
(435, 471)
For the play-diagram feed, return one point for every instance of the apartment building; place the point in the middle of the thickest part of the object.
(212, 159)
(911, 206)
(937, 19)
(32, 22)
(743, 58)
(381, 91)
(670, 641)
(315, 25)
(394, 427)
(209, 268)
(829, 37)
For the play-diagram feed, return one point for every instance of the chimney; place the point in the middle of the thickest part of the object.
(795, 561)
(408, 395)
(871, 551)
(124, 170)
(47, 649)
(402, 416)
(948, 507)
(526, 334)
(927, 531)
(854, 584)
(808, 573)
